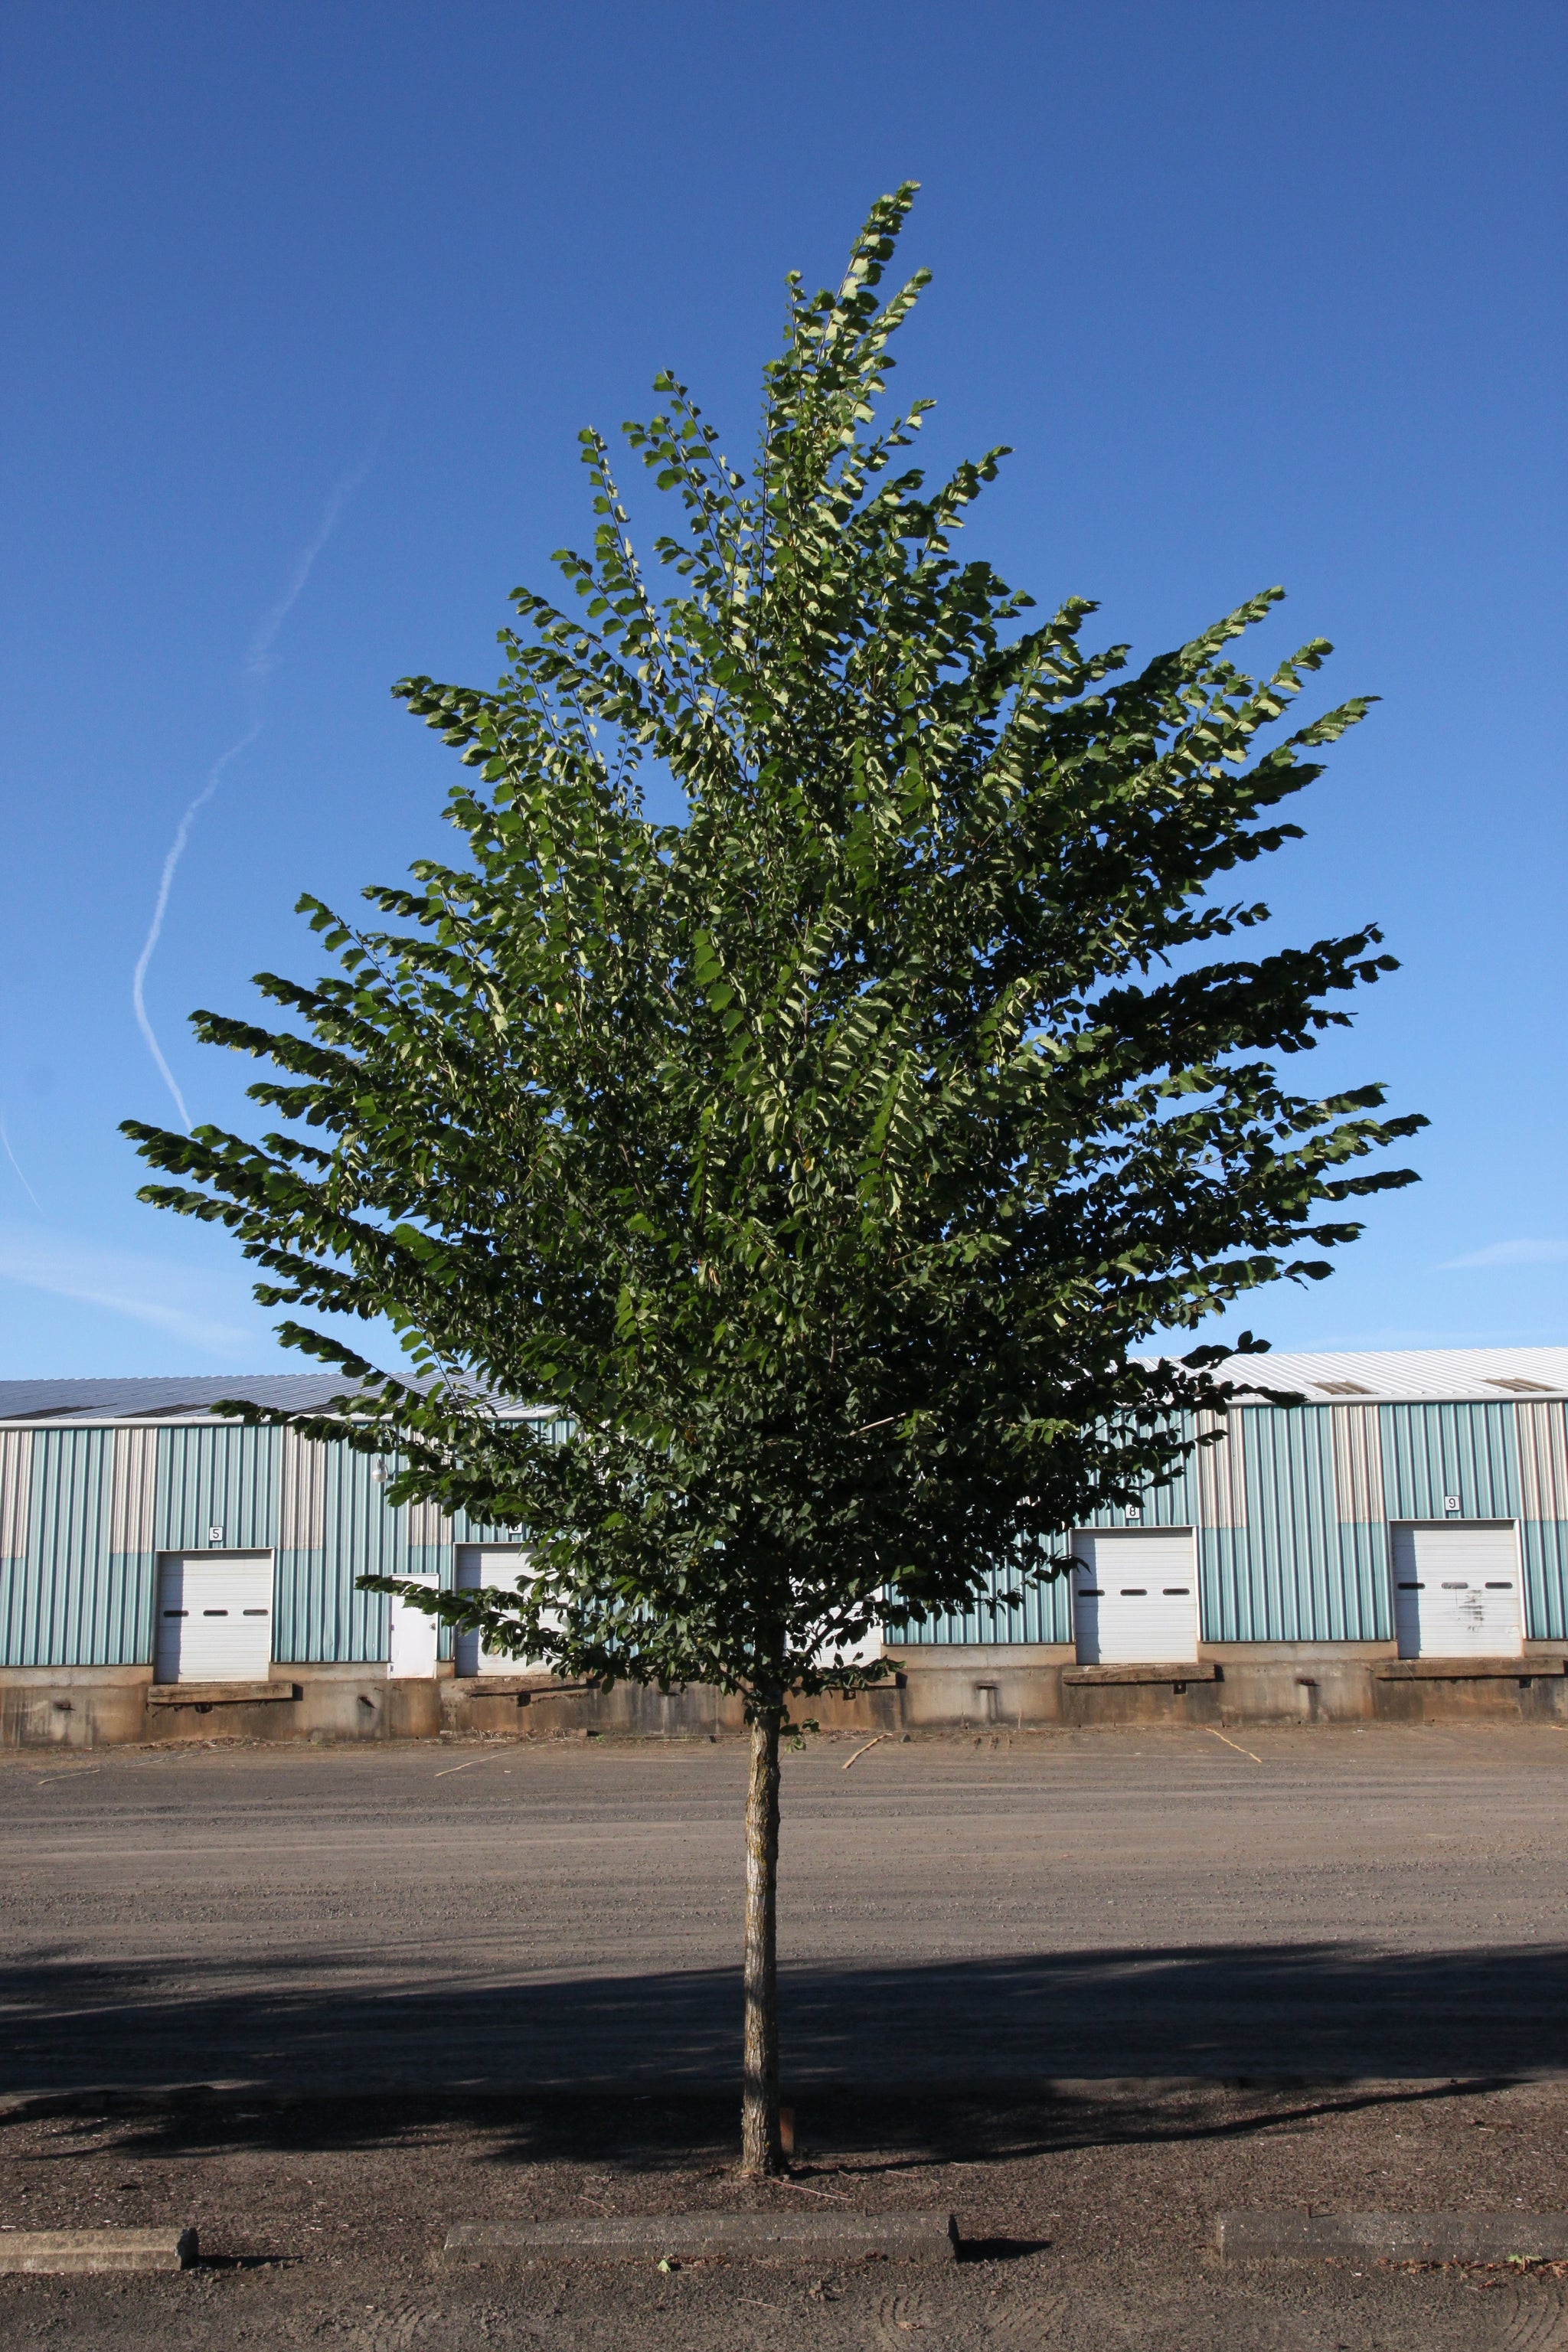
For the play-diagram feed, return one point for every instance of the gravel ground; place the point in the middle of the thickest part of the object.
(1085, 1991)
(1087, 2219)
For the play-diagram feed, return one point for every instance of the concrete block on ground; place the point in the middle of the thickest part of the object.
(1398, 2237)
(696, 2237)
(80, 2251)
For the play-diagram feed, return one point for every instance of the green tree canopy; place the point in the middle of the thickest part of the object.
(823, 1157)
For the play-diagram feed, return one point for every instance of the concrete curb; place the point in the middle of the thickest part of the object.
(60, 2250)
(1406, 2237)
(693, 2237)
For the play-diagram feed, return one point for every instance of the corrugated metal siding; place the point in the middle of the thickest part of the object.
(1300, 1569)
(72, 1601)
(87, 1512)
(321, 1617)
(1011, 1612)
(301, 1493)
(1545, 1547)
(218, 1477)
(16, 1491)
(67, 1545)
(133, 1537)
(1292, 1508)
(15, 1513)
(1221, 1476)
(331, 1493)
(1179, 1505)
(1358, 1464)
(1542, 1433)
(1035, 1613)
(1433, 1450)
(133, 1499)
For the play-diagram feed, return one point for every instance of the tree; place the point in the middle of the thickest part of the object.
(823, 1158)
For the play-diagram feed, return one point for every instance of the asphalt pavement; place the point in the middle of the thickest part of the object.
(1083, 1990)
(1291, 1904)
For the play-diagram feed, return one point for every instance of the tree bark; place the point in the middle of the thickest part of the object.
(761, 2153)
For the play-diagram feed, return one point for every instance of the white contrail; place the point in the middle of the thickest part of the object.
(165, 883)
(17, 1164)
(259, 660)
(258, 665)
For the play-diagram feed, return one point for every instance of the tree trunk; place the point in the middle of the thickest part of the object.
(760, 2149)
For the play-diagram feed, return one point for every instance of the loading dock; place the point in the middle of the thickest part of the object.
(478, 1565)
(214, 1617)
(1135, 1596)
(1456, 1590)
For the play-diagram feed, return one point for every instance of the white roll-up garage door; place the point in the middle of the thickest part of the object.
(481, 1564)
(1455, 1591)
(214, 1617)
(1135, 1597)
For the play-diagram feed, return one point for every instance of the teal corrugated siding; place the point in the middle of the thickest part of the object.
(1292, 1514)
(1175, 1505)
(222, 1476)
(1043, 1612)
(1546, 1578)
(1035, 1613)
(71, 1603)
(321, 1618)
(72, 1598)
(1433, 1450)
(1541, 1433)
(1295, 1571)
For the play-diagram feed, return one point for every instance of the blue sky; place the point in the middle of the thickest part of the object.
(307, 304)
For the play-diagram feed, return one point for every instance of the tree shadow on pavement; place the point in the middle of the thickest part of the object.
(1046, 2050)
(1306, 2011)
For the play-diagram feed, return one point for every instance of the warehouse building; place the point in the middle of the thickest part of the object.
(1394, 1545)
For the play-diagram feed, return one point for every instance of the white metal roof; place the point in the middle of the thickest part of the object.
(1415, 1375)
(1352, 1376)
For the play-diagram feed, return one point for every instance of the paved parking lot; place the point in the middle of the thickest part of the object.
(1085, 1990)
(1072, 1904)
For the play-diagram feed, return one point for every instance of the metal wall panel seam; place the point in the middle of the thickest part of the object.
(15, 1523)
(133, 1538)
(1219, 1473)
(1541, 1438)
(133, 1507)
(301, 1493)
(16, 1491)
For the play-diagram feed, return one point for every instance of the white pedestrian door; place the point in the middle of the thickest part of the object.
(1135, 1597)
(481, 1564)
(411, 1647)
(214, 1617)
(1455, 1591)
